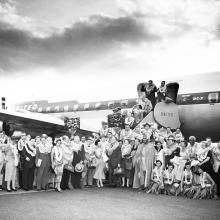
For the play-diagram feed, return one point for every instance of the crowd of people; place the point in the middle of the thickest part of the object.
(144, 157)
(147, 158)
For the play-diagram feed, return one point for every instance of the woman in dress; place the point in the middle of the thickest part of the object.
(67, 159)
(187, 178)
(168, 180)
(126, 161)
(206, 187)
(43, 163)
(138, 181)
(179, 162)
(78, 157)
(12, 159)
(156, 179)
(204, 156)
(159, 155)
(57, 163)
(100, 166)
(3, 145)
(28, 153)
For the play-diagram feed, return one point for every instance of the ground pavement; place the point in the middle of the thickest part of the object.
(106, 203)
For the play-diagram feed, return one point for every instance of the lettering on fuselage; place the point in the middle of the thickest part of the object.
(73, 106)
(167, 114)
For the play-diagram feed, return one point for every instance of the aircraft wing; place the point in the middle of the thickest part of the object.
(32, 123)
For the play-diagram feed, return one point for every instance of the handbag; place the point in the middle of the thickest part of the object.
(119, 171)
(69, 167)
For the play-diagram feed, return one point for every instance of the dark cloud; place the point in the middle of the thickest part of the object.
(82, 42)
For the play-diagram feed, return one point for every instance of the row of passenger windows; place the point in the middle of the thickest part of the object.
(86, 106)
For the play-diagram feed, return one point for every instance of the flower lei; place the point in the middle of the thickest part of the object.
(169, 177)
(158, 173)
(186, 174)
(30, 149)
(58, 153)
(44, 148)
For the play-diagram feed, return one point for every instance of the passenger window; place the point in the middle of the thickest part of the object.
(97, 105)
(213, 97)
(111, 105)
(124, 103)
(66, 108)
(57, 108)
(86, 106)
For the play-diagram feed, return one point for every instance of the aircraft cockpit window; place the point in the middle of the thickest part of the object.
(48, 109)
(213, 97)
(97, 105)
(86, 106)
(124, 103)
(66, 108)
(29, 107)
(40, 109)
(111, 105)
(34, 107)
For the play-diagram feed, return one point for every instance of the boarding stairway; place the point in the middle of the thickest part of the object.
(165, 113)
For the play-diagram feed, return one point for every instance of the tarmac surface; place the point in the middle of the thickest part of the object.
(105, 203)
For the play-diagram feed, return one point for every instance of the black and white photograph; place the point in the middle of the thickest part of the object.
(109, 109)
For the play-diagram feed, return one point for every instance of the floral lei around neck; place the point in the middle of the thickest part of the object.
(186, 173)
(44, 148)
(30, 149)
(58, 153)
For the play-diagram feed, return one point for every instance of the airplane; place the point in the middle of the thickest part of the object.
(195, 108)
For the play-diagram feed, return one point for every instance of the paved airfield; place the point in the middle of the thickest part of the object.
(104, 203)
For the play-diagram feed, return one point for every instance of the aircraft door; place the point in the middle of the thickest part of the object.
(166, 113)
(213, 98)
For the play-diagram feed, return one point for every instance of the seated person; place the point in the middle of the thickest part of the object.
(156, 179)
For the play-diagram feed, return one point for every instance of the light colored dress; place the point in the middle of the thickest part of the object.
(148, 157)
(58, 163)
(100, 165)
(11, 162)
(179, 163)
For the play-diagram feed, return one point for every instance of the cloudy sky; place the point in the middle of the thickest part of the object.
(96, 50)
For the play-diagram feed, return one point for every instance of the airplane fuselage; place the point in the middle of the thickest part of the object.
(197, 98)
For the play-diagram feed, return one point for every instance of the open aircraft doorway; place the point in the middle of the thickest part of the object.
(166, 112)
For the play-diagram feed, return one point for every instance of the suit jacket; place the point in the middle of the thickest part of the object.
(31, 162)
(115, 158)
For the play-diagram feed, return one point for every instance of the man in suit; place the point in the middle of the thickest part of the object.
(114, 153)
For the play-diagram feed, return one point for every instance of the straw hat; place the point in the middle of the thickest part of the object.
(79, 167)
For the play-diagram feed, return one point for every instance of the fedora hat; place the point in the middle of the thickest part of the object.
(79, 167)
